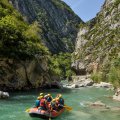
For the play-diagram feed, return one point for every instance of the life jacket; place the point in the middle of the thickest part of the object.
(50, 107)
(37, 103)
(43, 103)
(61, 100)
(49, 99)
(57, 102)
(53, 105)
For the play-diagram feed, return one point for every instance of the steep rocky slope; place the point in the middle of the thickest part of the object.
(23, 57)
(57, 21)
(98, 44)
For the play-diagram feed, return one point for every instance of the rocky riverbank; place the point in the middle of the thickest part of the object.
(86, 81)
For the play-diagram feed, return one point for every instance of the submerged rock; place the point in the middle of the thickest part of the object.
(4, 95)
(115, 109)
(98, 104)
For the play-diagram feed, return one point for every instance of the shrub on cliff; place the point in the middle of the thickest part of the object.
(17, 38)
(61, 65)
(109, 73)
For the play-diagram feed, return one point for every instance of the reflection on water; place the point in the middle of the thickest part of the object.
(13, 108)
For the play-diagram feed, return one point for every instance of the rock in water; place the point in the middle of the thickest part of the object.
(98, 105)
(4, 95)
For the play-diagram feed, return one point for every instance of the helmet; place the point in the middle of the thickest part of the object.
(40, 97)
(37, 98)
(49, 94)
(60, 95)
(57, 99)
(53, 100)
(45, 96)
(41, 94)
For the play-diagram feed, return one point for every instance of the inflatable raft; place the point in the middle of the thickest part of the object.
(34, 112)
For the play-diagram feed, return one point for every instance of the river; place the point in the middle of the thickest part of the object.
(14, 108)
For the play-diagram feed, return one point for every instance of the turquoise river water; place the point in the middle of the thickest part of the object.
(14, 108)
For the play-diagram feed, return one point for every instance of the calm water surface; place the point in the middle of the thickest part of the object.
(14, 108)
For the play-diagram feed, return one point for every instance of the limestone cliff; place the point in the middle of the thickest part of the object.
(23, 57)
(57, 21)
(98, 41)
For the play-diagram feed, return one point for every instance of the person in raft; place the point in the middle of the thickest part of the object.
(44, 101)
(48, 97)
(37, 102)
(59, 101)
(52, 106)
(48, 103)
(43, 104)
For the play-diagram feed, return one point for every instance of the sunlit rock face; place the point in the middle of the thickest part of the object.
(98, 41)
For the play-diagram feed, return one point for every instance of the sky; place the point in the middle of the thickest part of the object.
(85, 9)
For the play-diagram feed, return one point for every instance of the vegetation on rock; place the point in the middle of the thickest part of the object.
(25, 61)
(56, 19)
(101, 43)
(23, 56)
(61, 65)
(17, 38)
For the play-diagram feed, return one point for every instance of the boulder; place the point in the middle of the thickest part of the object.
(4, 95)
(71, 86)
(83, 81)
(80, 81)
(88, 82)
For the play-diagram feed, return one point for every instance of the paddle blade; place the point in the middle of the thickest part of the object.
(27, 110)
(50, 119)
(68, 108)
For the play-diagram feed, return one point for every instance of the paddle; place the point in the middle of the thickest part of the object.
(27, 110)
(67, 107)
(50, 116)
